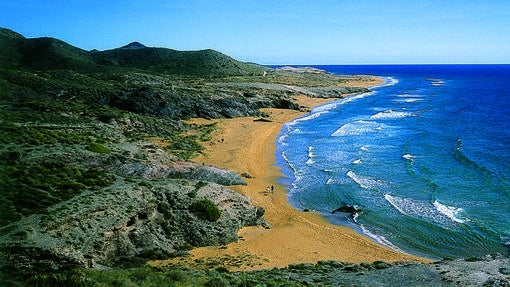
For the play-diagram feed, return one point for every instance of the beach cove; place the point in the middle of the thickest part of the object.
(248, 146)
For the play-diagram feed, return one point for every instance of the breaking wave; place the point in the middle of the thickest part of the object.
(449, 211)
(364, 182)
(357, 128)
(391, 114)
(444, 215)
(311, 156)
(379, 238)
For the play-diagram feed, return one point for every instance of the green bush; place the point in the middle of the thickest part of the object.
(65, 278)
(200, 184)
(98, 148)
(206, 209)
(217, 282)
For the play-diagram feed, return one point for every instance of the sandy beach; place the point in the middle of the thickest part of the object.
(247, 146)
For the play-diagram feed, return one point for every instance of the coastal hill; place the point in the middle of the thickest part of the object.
(50, 53)
(96, 171)
(41, 53)
(201, 63)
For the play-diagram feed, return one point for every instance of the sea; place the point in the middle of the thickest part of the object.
(425, 157)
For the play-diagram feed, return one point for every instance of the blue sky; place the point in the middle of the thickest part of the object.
(280, 32)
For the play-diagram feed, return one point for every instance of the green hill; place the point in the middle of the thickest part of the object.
(50, 54)
(203, 62)
(10, 43)
(41, 53)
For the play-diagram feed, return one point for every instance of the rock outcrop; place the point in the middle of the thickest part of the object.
(351, 209)
(122, 223)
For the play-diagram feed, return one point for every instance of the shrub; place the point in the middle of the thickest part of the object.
(200, 184)
(206, 209)
(217, 282)
(98, 148)
(64, 278)
(30, 188)
(260, 212)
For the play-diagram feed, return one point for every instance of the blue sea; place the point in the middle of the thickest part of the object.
(425, 156)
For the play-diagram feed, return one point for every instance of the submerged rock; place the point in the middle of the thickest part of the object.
(352, 209)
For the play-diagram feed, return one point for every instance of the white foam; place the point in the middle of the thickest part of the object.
(379, 238)
(333, 105)
(393, 201)
(391, 114)
(282, 139)
(318, 111)
(409, 157)
(310, 151)
(434, 212)
(357, 128)
(304, 118)
(364, 182)
(311, 156)
(411, 100)
(435, 82)
(388, 81)
(363, 148)
(292, 167)
(449, 211)
(415, 96)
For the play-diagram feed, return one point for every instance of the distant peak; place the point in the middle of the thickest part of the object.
(134, 45)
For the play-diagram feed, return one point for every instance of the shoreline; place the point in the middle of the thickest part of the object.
(247, 146)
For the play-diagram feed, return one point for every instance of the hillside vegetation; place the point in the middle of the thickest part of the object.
(50, 53)
(95, 167)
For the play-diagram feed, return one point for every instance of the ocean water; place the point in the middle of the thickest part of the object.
(426, 156)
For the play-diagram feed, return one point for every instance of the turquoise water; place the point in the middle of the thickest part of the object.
(426, 157)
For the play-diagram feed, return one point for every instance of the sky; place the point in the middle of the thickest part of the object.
(280, 32)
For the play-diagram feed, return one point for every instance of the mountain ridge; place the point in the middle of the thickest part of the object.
(49, 53)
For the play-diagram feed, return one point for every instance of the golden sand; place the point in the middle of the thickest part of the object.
(244, 145)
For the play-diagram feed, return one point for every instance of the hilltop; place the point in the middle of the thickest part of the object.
(50, 53)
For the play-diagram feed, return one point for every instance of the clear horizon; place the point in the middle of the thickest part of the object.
(285, 32)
